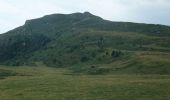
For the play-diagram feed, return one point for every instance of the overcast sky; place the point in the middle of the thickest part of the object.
(13, 13)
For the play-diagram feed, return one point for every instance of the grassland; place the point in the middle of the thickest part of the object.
(44, 83)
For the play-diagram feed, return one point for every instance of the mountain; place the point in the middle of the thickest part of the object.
(87, 43)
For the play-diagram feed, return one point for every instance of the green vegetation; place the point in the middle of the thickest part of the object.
(86, 57)
(79, 41)
(45, 83)
(6, 73)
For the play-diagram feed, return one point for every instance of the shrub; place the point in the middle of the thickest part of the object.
(116, 53)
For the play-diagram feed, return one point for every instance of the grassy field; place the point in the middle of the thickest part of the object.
(44, 83)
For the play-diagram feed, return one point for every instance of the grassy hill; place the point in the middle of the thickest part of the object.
(86, 43)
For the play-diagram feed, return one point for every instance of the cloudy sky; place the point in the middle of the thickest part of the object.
(13, 13)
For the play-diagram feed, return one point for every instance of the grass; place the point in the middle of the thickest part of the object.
(44, 83)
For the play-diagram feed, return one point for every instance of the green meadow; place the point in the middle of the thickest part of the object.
(45, 83)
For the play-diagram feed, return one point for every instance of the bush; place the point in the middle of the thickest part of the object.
(116, 53)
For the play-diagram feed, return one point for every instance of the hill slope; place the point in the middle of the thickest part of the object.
(87, 43)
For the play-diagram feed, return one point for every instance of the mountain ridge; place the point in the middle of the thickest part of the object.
(87, 13)
(83, 39)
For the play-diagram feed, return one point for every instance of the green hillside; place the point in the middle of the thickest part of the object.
(88, 44)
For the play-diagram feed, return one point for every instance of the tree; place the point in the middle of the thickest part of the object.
(101, 43)
(116, 53)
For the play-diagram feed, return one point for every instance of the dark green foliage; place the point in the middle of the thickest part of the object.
(20, 45)
(94, 54)
(101, 43)
(84, 59)
(116, 53)
(107, 53)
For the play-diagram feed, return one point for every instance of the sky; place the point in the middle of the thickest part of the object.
(14, 13)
